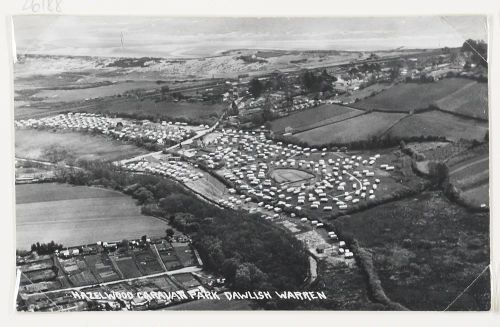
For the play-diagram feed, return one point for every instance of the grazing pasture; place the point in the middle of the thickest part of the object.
(477, 196)
(355, 129)
(437, 123)
(209, 186)
(411, 96)
(471, 100)
(162, 109)
(76, 215)
(88, 91)
(471, 178)
(364, 93)
(34, 144)
(309, 118)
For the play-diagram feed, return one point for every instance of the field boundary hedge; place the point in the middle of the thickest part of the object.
(376, 290)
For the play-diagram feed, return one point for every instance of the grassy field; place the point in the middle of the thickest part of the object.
(364, 92)
(411, 96)
(426, 251)
(309, 118)
(32, 144)
(75, 215)
(477, 196)
(79, 94)
(471, 177)
(162, 109)
(289, 175)
(471, 100)
(355, 129)
(209, 186)
(437, 123)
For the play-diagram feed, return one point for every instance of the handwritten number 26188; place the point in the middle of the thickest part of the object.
(42, 5)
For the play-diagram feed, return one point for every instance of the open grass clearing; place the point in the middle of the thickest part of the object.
(72, 216)
(284, 175)
(308, 118)
(411, 96)
(478, 195)
(355, 129)
(471, 100)
(163, 109)
(33, 144)
(439, 124)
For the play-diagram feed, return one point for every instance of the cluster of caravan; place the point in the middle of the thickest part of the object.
(118, 128)
(249, 157)
(178, 170)
(247, 160)
(71, 121)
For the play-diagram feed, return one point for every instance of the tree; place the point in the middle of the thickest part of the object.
(170, 232)
(255, 87)
(143, 195)
(478, 49)
(57, 153)
(249, 277)
(309, 81)
(163, 91)
(125, 244)
(43, 248)
(438, 171)
(229, 268)
(233, 110)
(394, 73)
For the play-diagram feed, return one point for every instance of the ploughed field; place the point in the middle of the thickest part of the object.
(426, 251)
(75, 215)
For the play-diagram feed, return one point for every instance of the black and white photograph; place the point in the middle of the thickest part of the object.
(251, 163)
